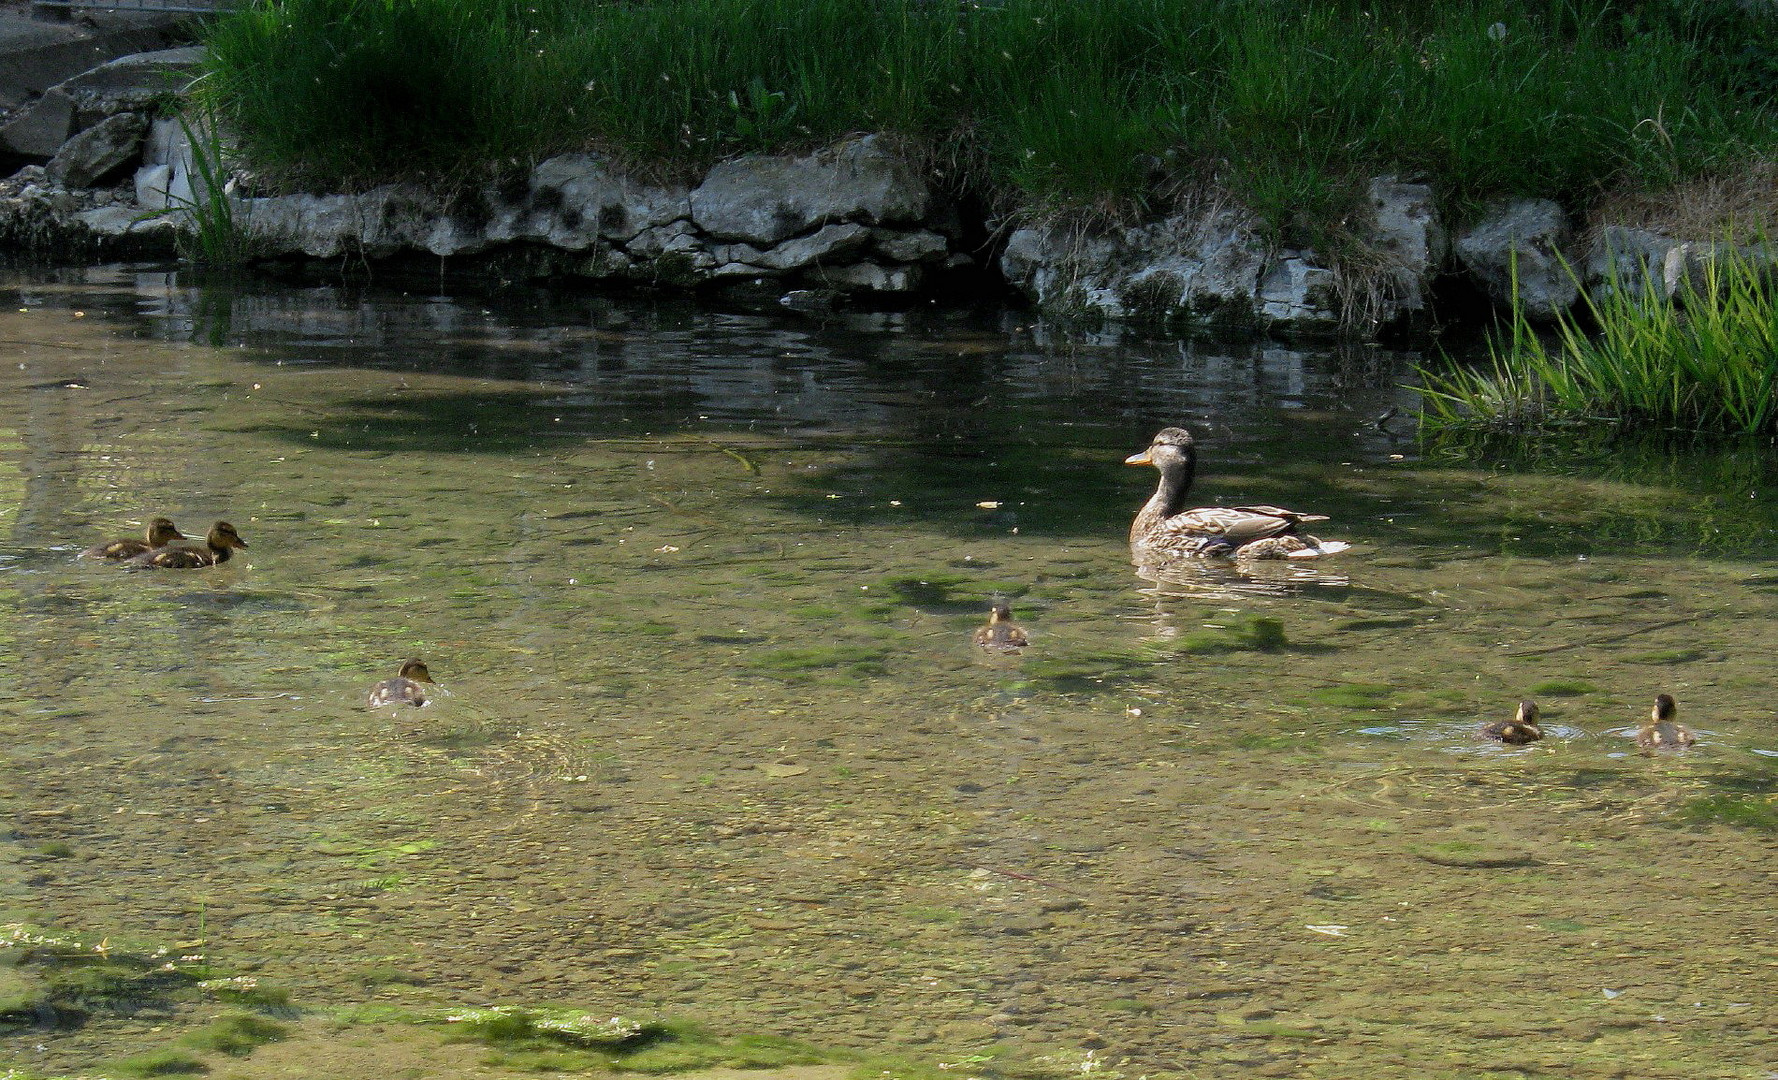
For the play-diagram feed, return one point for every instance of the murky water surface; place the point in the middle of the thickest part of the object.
(717, 745)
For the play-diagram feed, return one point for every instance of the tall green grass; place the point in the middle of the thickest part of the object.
(1107, 103)
(1705, 360)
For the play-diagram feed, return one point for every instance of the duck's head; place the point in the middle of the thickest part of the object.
(1527, 713)
(223, 536)
(415, 670)
(162, 531)
(1665, 709)
(1172, 448)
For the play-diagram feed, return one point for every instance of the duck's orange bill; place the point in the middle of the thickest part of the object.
(1139, 459)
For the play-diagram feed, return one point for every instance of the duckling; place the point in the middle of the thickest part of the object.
(161, 532)
(1165, 529)
(1661, 731)
(1518, 731)
(221, 539)
(404, 689)
(1000, 634)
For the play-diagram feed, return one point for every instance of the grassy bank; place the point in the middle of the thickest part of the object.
(1121, 105)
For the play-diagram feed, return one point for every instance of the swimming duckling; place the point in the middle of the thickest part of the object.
(221, 539)
(1166, 529)
(404, 689)
(1000, 634)
(161, 532)
(1660, 731)
(1518, 731)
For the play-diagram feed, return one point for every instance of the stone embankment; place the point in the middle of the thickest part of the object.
(104, 174)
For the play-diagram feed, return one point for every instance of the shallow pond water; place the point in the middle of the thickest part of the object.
(717, 746)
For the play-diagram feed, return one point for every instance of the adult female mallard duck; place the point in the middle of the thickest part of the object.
(220, 541)
(1518, 731)
(404, 689)
(1000, 634)
(161, 532)
(1165, 529)
(1661, 731)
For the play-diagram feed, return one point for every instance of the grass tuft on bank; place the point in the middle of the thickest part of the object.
(1703, 360)
(1118, 105)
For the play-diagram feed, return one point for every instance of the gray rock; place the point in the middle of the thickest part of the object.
(152, 182)
(921, 245)
(1298, 296)
(98, 152)
(320, 226)
(1636, 261)
(132, 83)
(740, 254)
(42, 129)
(1532, 234)
(35, 55)
(1406, 230)
(766, 199)
(574, 201)
(828, 243)
(1195, 268)
(729, 270)
(677, 235)
(111, 222)
(868, 277)
(167, 177)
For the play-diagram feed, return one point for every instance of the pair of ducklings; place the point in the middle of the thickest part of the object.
(156, 551)
(1659, 732)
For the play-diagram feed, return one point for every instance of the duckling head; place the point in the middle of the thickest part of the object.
(222, 535)
(162, 531)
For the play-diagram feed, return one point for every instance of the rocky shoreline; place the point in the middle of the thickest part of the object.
(108, 176)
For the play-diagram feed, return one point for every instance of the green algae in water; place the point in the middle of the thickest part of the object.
(564, 1040)
(1277, 740)
(1353, 695)
(1081, 672)
(166, 1062)
(510, 1026)
(1669, 656)
(235, 1034)
(853, 660)
(1474, 855)
(1258, 633)
(928, 914)
(1742, 811)
(1564, 688)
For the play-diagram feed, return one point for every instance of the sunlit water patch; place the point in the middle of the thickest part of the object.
(718, 746)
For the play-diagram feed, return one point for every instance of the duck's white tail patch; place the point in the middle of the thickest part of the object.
(1328, 547)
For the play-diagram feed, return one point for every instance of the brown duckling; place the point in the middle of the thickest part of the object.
(161, 532)
(404, 689)
(218, 544)
(1518, 731)
(1661, 731)
(1000, 634)
(1165, 528)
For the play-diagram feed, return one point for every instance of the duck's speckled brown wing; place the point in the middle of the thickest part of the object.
(116, 549)
(173, 558)
(1218, 526)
